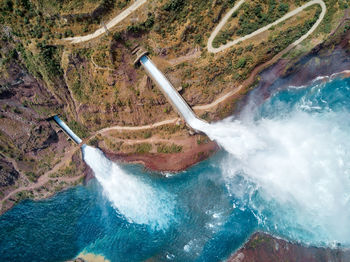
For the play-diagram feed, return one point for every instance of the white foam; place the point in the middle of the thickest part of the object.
(133, 197)
(302, 162)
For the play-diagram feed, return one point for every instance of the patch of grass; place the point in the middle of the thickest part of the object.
(241, 63)
(79, 129)
(163, 148)
(259, 241)
(143, 148)
(23, 195)
(202, 140)
(32, 176)
(94, 141)
(147, 134)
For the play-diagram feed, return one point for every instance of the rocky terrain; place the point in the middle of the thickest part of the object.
(262, 247)
(30, 145)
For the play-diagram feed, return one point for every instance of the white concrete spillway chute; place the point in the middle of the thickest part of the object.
(173, 96)
(67, 130)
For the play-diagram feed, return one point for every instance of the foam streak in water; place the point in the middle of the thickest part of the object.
(134, 198)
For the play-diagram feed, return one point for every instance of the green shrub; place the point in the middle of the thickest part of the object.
(174, 5)
(7, 5)
(143, 148)
(147, 134)
(283, 8)
(50, 57)
(68, 33)
(249, 47)
(32, 176)
(241, 63)
(77, 89)
(93, 142)
(16, 111)
(169, 149)
(79, 129)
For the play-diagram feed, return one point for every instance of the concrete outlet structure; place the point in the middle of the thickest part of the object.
(139, 52)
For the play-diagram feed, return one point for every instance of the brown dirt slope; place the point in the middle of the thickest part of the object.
(265, 248)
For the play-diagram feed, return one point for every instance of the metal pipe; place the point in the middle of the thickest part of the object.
(66, 129)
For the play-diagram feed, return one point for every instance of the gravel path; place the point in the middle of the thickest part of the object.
(42, 180)
(117, 19)
(217, 101)
(134, 128)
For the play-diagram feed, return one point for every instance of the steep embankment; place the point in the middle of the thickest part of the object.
(263, 247)
(30, 145)
(330, 57)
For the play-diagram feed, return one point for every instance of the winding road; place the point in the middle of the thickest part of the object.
(68, 155)
(217, 101)
(135, 128)
(116, 20)
(263, 29)
(42, 180)
(138, 3)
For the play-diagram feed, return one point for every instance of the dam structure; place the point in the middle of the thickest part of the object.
(175, 99)
(67, 130)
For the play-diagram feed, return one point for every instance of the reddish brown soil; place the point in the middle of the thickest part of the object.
(172, 162)
(262, 247)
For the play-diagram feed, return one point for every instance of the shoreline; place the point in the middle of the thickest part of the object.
(168, 162)
(259, 245)
(262, 246)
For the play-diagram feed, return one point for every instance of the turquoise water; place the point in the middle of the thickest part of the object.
(284, 169)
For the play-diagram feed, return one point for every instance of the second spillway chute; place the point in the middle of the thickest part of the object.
(67, 130)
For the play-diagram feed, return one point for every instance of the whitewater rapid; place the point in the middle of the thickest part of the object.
(302, 164)
(297, 157)
(133, 197)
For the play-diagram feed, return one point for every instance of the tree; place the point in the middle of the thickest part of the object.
(8, 6)
(283, 8)
(241, 63)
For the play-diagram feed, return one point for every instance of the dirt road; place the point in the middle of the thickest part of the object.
(120, 17)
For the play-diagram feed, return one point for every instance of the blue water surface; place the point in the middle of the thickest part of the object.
(81, 218)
